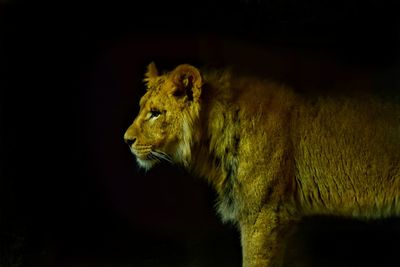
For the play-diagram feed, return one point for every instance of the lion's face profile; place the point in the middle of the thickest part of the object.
(168, 113)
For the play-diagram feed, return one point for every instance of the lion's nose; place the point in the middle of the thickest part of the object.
(130, 140)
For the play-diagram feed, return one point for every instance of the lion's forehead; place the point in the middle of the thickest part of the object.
(152, 98)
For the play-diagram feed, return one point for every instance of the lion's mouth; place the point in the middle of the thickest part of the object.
(148, 157)
(140, 151)
(139, 154)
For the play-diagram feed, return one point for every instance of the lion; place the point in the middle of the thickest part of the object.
(272, 155)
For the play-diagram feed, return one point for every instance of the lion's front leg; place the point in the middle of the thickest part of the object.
(264, 238)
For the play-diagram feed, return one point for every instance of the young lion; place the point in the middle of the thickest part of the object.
(272, 155)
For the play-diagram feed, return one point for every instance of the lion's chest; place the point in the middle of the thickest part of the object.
(228, 208)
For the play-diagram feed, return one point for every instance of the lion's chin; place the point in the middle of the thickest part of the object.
(146, 164)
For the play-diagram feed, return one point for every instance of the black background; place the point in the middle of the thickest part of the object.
(70, 191)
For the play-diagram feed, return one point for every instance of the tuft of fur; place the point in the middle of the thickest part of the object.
(272, 155)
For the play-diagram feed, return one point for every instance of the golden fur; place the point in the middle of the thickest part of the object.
(272, 155)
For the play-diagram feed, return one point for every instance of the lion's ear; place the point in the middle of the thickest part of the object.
(151, 73)
(187, 81)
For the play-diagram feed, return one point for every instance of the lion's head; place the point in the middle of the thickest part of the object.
(169, 111)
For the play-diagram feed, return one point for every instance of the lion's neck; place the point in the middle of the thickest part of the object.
(218, 165)
(214, 153)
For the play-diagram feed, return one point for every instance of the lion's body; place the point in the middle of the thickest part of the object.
(272, 155)
(348, 158)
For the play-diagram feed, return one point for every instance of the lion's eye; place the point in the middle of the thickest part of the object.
(154, 113)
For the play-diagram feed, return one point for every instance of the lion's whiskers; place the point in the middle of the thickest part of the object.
(161, 155)
(151, 156)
